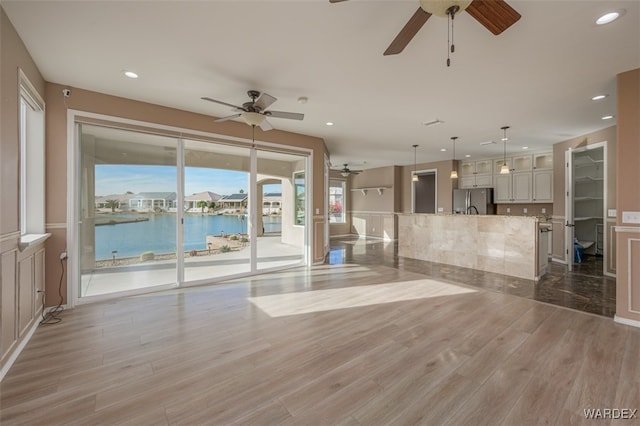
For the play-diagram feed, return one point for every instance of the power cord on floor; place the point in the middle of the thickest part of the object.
(51, 317)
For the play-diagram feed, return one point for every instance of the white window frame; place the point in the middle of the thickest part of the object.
(32, 158)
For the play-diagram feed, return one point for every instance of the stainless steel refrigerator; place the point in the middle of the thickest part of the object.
(473, 201)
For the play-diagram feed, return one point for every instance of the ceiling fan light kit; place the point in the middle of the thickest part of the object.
(253, 118)
(441, 8)
(255, 113)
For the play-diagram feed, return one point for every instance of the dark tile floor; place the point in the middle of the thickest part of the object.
(584, 289)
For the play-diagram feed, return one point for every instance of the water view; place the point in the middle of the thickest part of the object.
(158, 233)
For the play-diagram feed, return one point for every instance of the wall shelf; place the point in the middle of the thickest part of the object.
(364, 191)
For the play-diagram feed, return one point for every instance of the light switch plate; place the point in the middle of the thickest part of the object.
(611, 213)
(630, 217)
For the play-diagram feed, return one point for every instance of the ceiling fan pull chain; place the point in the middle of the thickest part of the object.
(453, 46)
(448, 39)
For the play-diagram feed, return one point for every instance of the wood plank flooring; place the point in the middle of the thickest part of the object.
(211, 355)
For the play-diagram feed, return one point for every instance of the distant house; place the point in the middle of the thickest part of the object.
(192, 202)
(103, 202)
(272, 203)
(233, 203)
(152, 201)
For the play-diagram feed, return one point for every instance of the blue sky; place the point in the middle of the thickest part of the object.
(118, 179)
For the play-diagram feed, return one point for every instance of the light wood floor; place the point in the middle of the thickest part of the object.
(211, 355)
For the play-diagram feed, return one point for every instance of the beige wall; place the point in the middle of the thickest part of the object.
(628, 197)
(21, 272)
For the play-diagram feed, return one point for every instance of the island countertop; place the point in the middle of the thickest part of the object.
(502, 244)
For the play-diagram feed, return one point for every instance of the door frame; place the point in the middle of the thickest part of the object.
(569, 208)
(413, 188)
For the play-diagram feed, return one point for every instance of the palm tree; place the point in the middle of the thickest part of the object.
(113, 204)
(202, 204)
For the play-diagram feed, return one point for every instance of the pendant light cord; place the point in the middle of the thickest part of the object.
(451, 47)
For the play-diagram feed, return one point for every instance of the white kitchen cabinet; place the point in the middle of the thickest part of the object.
(543, 186)
(543, 161)
(480, 181)
(473, 168)
(512, 188)
(521, 163)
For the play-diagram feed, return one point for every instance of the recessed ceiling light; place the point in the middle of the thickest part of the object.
(303, 100)
(599, 97)
(329, 123)
(468, 155)
(525, 147)
(443, 149)
(609, 17)
(607, 117)
(130, 74)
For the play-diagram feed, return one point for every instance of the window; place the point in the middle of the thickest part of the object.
(32, 161)
(337, 190)
(299, 192)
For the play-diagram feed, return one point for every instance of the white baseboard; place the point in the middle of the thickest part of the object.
(23, 343)
(627, 321)
(18, 350)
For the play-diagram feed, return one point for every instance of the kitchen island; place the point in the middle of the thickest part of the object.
(505, 245)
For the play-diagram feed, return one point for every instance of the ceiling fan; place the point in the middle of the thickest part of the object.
(346, 171)
(254, 112)
(494, 15)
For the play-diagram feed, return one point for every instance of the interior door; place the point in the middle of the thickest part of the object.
(568, 207)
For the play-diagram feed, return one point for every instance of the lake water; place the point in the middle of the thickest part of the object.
(158, 234)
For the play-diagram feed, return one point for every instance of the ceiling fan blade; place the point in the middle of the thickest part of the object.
(407, 33)
(264, 101)
(230, 117)
(494, 15)
(282, 114)
(266, 126)
(221, 103)
(336, 1)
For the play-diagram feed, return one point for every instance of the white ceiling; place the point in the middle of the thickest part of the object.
(537, 77)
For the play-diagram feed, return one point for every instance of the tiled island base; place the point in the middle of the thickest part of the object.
(501, 244)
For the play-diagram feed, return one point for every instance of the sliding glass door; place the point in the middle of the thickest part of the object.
(216, 210)
(127, 226)
(282, 215)
(161, 211)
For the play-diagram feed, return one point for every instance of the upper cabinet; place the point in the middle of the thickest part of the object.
(479, 167)
(530, 178)
(543, 161)
(476, 174)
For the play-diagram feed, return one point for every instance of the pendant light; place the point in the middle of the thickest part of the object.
(415, 177)
(504, 170)
(454, 171)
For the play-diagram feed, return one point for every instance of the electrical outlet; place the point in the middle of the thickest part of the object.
(440, 209)
(524, 210)
(508, 210)
(544, 210)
